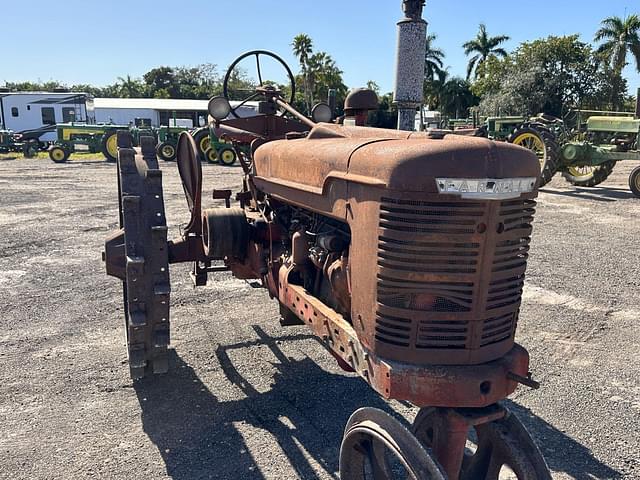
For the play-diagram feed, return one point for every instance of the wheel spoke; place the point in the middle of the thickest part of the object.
(376, 456)
(502, 444)
(258, 68)
(249, 98)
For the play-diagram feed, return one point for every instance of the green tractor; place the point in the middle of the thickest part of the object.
(212, 149)
(74, 137)
(599, 140)
(15, 142)
(166, 148)
(537, 134)
(142, 128)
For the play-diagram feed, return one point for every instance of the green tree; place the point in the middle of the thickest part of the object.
(548, 75)
(302, 49)
(433, 89)
(456, 98)
(131, 87)
(373, 85)
(434, 58)
(323, 74)
(387, 114)
(160, 82)
(484, 47)
(619, 36)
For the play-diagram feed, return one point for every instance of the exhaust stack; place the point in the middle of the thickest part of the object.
(412, 38)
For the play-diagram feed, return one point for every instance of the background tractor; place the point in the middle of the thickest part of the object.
(15, 142)
(168, 142)
(208, 144)
(536, 134)
(592, 142)
(75, 137)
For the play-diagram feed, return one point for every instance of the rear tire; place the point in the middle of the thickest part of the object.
(146, 268)
(58, 154)
(166, 151)
(203, 142)
(541, 142)
(588, 176)
(634, 181)
(109, 146)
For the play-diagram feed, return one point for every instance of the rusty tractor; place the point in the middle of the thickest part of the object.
(403, 252)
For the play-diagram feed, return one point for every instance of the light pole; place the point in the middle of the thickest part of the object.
(412, 43)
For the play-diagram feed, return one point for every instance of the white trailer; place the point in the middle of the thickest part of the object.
(20, 111)
(161, 111)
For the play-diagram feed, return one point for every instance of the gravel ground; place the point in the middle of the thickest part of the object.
(249, 399)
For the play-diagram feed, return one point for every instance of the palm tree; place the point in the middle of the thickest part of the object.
(456, 98)
(302, 48)
(484, 47)
(433, 89)
(620, 36)
(433, 59)
(131, 88)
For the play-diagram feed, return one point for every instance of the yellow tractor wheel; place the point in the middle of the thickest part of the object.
(211, 155)
(58, 154)
(166, 151)
(110, 146)
(227, 156)
(203, 142)
(541, 142)
(588, 175)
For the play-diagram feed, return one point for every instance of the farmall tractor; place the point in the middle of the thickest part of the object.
(404, 252)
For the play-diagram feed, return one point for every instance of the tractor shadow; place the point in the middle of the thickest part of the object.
(562, 453)
(201, 436)
(305, 410)
(599, 194)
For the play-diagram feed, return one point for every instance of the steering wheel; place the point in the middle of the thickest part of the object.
(261, 90)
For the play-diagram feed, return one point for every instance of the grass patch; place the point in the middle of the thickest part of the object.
(45, 156)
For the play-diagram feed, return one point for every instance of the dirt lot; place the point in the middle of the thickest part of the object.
(249, 399)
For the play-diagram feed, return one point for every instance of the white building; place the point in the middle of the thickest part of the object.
(161, 111)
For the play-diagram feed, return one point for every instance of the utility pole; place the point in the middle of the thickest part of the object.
(412, 44)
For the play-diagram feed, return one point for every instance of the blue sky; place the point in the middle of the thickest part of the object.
(80, 41)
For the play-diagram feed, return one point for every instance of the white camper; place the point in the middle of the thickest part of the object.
(20, 111)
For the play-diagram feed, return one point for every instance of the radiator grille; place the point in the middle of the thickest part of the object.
(450, 274)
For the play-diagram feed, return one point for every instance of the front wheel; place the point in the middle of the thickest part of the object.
(58, 154)
(541, 142)
(588, 176)
(634, 181)
(166, 151)
(211, 155)
(227, 156)
(109, 146)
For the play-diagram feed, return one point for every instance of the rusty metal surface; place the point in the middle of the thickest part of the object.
(415, 290)
(423, 385)
(475, 444)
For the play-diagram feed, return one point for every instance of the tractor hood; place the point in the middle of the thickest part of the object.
(392, 159)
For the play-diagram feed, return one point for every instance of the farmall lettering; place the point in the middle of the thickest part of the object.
(404, 254)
